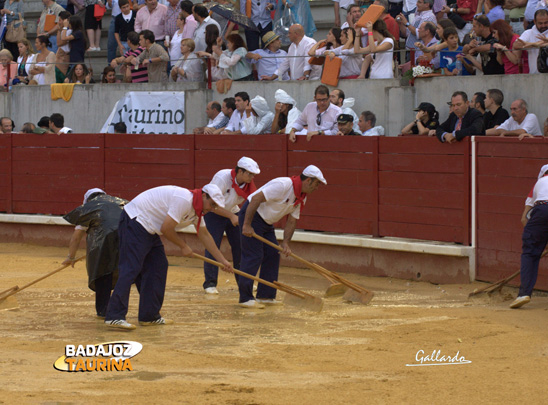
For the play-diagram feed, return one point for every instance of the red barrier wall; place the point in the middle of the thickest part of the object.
(507, 169)
(410, 187)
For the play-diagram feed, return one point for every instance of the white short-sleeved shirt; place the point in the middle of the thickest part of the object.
(532, 53)
(529, 124)
(540, 192)
(223, 179)
(279, 202)
(151, 207)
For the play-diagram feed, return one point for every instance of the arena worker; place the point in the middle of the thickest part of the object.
(280, 197)
(97, 218)
(236, 185)
(154, 212)
(534, 238)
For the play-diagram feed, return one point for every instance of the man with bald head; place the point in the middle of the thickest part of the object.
(298, 67)
(520, 123)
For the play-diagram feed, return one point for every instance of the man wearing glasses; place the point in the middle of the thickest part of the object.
(320, 116)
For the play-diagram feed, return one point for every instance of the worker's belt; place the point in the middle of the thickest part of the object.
(517, 19)
(541, 202)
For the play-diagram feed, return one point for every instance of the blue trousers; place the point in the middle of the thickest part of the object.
(254, 38)
(103, 287)
(142, 259)
(255, 255)
(534, 240)
(217, 226)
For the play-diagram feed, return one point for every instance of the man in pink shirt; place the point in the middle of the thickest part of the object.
(190, 22)
(153, 18)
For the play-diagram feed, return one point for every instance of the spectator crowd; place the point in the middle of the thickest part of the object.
(176, 40)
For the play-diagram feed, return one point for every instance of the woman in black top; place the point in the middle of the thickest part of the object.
(427, 118)
(76, 40)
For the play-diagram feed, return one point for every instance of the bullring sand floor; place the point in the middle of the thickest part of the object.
(218, 353)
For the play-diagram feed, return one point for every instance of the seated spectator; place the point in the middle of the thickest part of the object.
(154, 57)
(286, 113)
(131, 75)
(462, 122)
(530, 39)
(520, 122)
(189, 67)
(25, 60)
(109, 75)
(174, 45)
(351, 62)
(379, 52)
(338, 98)
(483, 45)
(345, 123)
(492, 9)
(236, 122)
(120, 128)
(7, 125)
(367, 125)
(258, 117)
(427, 39)
(494, 113)
(57, 124)
(320, 116)
(448, 56)
(228, 108)
(8, 68)
(44, 123)
(410, 30)
(233, 60)
(79, 74)
(272, 54)
(427, 118)
(332, 41)
(30, 128)
(124, 23)
(297, 60)
(478, 102)
(506, 54)
(216, 119)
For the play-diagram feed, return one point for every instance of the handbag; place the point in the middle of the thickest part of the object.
(16, 31)
(542, 60)
(99, 11)
(281, 26)
(457, 20)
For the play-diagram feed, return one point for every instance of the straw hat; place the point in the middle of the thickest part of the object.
(269, 37)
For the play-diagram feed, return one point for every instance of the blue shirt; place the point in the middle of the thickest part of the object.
(259, 14)
(496, 13)
(269, 62)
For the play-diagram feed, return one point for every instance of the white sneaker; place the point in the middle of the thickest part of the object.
(120, 324)
(159, 321)
(520, 301)
(211, 290)
(269, 301)
(251, 304)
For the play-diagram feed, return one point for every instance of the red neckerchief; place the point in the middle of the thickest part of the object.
(198, 205)
(248, 189)
(297, 187)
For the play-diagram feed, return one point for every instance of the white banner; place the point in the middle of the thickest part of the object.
(149, 112)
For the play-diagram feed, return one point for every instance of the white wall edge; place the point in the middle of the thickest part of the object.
(361, 241)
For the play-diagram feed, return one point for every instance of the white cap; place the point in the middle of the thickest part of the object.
(313, 171)
(282, 97)
(215, 193)
(90, 192)
(543, 171)
(249, 164)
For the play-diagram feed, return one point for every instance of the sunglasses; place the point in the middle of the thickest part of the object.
(319, 119)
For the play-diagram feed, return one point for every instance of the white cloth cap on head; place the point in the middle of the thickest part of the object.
(282, 97)
(249, 164)
(90, 192)
(543, 170)
(259, 105)
(313, 171)
(215, 193)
